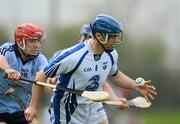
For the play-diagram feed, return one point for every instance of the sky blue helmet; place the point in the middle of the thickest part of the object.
(106, 24)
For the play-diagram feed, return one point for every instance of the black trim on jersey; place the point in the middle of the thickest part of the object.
(4, 50)
(115, 73)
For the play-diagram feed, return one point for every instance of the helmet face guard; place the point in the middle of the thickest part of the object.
(30, 33)
(109, 27)
(118, 36)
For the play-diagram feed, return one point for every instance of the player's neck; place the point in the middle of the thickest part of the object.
(96, 48)
(23, 56)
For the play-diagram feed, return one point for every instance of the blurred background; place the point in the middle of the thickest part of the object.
(150, 48)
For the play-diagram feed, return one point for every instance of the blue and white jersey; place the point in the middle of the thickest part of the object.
(27, 69)
(80, 69)
(56, 54)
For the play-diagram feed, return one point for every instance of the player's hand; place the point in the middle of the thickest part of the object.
(52, 80)
(148, 90)
(123, 104)
(12, 74)
(30, 113)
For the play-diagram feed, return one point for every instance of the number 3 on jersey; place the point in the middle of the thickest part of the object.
(94, 83)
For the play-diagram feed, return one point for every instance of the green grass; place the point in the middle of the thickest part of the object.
(145, 116)
(162, 117)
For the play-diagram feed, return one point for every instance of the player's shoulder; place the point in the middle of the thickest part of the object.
(7, 48)
(73, 49)
(41, 60)
(71, 55)
(7, 44)
(41, 56)
(113, 53)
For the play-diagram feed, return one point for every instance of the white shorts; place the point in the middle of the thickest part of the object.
(81, 114)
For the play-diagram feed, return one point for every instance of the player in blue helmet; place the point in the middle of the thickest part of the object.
(108, 27)
(98, 56)
(85, 32)
(19, 58)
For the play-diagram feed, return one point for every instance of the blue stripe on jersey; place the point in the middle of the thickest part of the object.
(52, 68)
(70, 108)
(64, 81)
(56, 54)
(111, 57)
(56, 107)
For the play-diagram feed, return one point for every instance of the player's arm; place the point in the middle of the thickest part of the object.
(31, 111)
(53, 80)
(106, 87)
(4, 65)
(122, 80)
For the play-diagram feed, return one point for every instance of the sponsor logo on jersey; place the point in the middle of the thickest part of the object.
(92, 87)
(87, 69)
(94, 83)
(104, 66)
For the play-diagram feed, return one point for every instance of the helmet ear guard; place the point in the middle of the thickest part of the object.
(22, 44)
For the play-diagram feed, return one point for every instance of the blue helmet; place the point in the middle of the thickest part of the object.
(106, 24)
(85, 30)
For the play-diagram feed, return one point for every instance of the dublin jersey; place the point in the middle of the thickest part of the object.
(80, 69)
(8, 104)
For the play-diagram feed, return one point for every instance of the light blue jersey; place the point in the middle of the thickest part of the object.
(79, 69)
(28, 69)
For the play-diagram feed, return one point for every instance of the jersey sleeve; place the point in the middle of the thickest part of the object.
(7, 51)
(6, 48)
(55, 55)
(61, 64)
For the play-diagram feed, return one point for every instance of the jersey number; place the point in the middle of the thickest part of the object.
(94, 83)
(24, 74)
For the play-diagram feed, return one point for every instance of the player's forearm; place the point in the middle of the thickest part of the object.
(4, 63)
(108, 88)
(37, 90)
(124, 81)
(36, 93)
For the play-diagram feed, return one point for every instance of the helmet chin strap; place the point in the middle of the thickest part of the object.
(23, 44)
(21, 50)
(101, 43)
(26, 56)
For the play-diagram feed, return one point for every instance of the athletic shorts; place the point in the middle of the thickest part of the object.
(78, 114)
(13, 118)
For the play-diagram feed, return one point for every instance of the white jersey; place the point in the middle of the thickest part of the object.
(80, 69)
